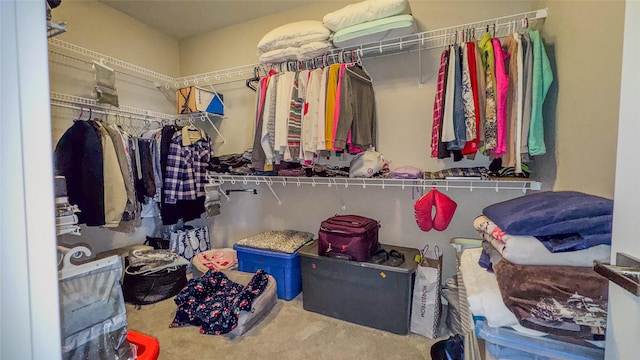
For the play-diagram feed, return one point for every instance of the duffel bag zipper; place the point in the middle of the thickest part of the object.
(334, 231)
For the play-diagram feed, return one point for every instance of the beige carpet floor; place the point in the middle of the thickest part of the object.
(288, 332)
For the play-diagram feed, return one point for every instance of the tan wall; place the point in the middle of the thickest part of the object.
(95, 26)
(584, 40)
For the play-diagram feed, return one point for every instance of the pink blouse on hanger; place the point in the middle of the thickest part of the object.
(336, 112)
(502, 86)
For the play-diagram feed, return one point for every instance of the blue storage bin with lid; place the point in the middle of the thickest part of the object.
(285, 268)
(276, 252)
(507, 344)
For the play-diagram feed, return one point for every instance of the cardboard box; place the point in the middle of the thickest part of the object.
(195, 99)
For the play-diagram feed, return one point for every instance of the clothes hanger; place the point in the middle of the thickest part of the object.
(80, 115)
(255, 78)
(358, 75)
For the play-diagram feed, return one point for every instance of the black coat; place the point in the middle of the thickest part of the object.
(78, 157)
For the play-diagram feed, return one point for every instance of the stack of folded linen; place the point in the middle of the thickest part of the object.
(542, 248)
(370, 21)
(301, 40)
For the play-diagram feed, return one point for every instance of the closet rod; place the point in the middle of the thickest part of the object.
(65, 100)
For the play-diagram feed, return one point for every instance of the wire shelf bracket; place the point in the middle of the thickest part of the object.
(55, 28)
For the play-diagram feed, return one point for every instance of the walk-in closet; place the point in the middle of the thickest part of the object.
(174, 169)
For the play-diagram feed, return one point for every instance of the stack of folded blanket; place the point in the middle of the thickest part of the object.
(360, 23)
(541, 248)
(370, 21)
(301, 40)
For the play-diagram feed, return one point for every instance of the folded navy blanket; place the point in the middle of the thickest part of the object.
(556, 212)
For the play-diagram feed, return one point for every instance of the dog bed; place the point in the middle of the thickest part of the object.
(260, 305)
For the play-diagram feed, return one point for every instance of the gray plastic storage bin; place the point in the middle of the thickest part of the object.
(364, 293)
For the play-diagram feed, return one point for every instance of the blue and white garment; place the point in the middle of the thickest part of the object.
(186, 169)
(191, 242)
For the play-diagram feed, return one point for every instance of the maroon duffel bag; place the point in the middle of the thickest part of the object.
(350, 237)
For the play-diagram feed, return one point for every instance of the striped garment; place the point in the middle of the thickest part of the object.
(295, 120)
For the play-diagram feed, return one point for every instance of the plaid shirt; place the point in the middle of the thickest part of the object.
(186, 169)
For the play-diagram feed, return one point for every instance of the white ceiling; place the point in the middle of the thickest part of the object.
(185, 18)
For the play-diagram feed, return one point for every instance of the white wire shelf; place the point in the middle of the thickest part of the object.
(215, 77)
(65, 48)
(499, 27)
(55, 28)
(490, 184)
(79, 103)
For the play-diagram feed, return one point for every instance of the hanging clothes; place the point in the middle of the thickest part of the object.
(314, 108)
(257, 155)
(542, 79)
(488, 64)
(124, 162)
(502, 87)
(357, 110)
(468, 102)
(330, 105)
(528, 91)
(472, 145)
(269, 122)
(438, 103)
(321, 140)
(481, 93)
(294, 121)
(115, 195)
(303, 83)
(459, 126)
(336, 111)
(78, 157)
(448, 133)
(185, 175)
(283, 108)
(186, 166)
(519, 104)
(510, 49)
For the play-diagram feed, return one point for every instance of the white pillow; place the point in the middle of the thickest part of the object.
(314, 49)
(279, 55)
(364, 11)
(293, 35)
